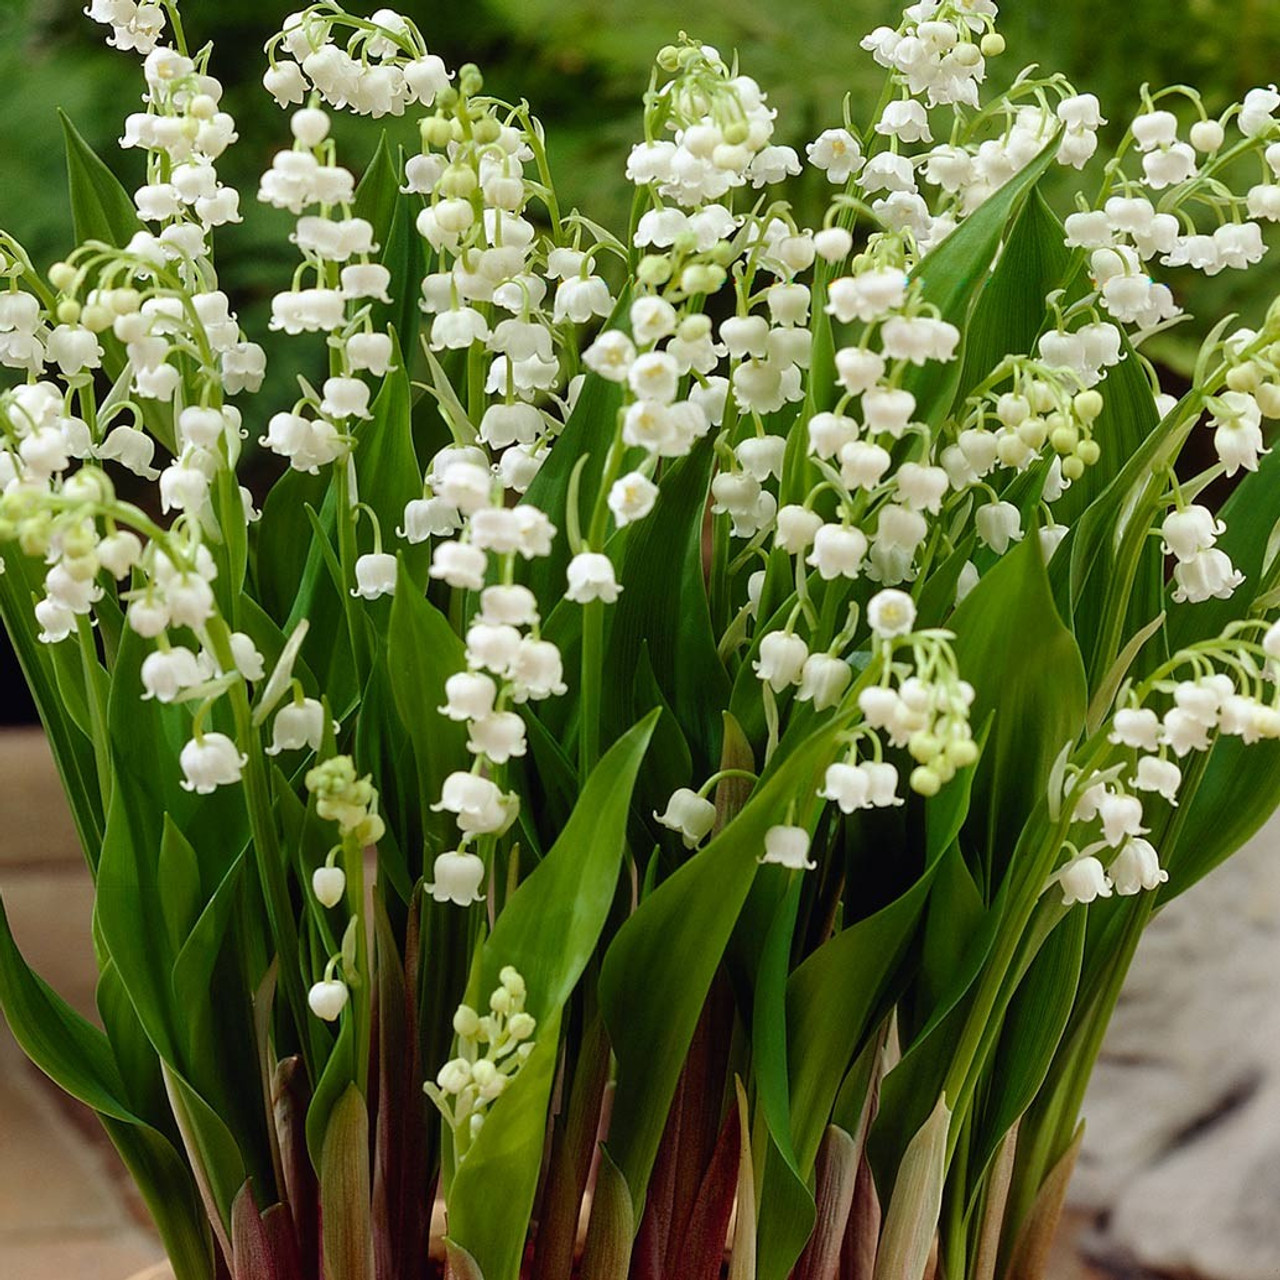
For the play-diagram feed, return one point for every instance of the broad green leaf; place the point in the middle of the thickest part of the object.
(1026, 670)
(423, 651)
(378, 191)
(100, 207)
(548, 930)
(663, 607)
(1032, 1032)
(1010, 312)
(72, 1052)
(659, 968)
(953, 271)
(404, 255)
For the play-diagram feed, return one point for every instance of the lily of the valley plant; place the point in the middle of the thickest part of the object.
(673, 770)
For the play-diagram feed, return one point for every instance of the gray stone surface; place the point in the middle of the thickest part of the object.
(1182, 1144)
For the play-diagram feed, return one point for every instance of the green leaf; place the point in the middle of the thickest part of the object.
(663, 607)
(423, 651)
(378, 191)
(1032, 1031)
(953, 271)
(178, 885)
(404, 255)
(659, 968)
(1037, 707)
(100, 207)
(548, 930)
(1010, 313)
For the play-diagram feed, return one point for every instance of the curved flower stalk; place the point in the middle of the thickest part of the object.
(878, 530)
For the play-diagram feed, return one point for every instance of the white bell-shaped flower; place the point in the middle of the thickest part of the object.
(166, 673)
(1083, 880)
(690, 814)
(1137, 727)
(788, 847)
(848, 786)
(478, 803)
(891, 613)
(297, 725)
(456, 878)
(838, 551)
(460, 564)
(329, 884)
(1161, 776)
(823, 680)
(498, 736)
(632, 497)
(210, 761)
(469, 695)
(781, 661)
(1121, 817)
(375, 575)
(328, 999)
(591, 577)
(1137, 867)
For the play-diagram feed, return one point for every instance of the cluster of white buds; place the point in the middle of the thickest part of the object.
(342, 796)
(491, 1050)
(1225, 692)
(135, 24)
(928, 711)
(508, 661)
(1130, 229)
(721, 128)
(939, 50)
(184, 131)
(333, 292)
(383, 67)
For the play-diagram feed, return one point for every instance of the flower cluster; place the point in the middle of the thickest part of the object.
(491, 1050)
(1223, 689)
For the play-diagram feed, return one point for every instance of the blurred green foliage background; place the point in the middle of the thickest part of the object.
(583, 64)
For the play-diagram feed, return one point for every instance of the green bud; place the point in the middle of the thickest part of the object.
(702, 278)
(1064, 439)
(470, 81)
(668, 57)
(992, 45)
(736, 134)
(486, 130)
(654, 270)
(458, 180)
(62, 275)
(1072, 468)
(1088, 451)
(1087, 405)
(68, 311)
(723, 254)
(1244, 377)
(436, 132)
(925, 782)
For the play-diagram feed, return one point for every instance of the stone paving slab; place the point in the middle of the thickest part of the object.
(35, 822)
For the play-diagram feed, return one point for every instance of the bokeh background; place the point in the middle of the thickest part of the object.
(583, 65)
